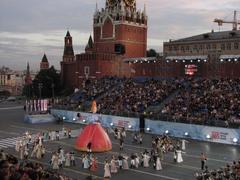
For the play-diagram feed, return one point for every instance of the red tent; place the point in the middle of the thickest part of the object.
(96, 135)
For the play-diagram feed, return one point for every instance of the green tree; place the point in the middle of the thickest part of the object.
(151, 53)
(47, 83)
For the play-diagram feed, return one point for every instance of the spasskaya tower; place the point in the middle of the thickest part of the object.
(119, 32)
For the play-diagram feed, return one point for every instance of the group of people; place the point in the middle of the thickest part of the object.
(205, 101)
(229, 172)
(153, 158)
(61, 159)
(13, 169)
(135, 97)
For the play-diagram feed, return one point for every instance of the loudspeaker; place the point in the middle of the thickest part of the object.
(142, 123)
(119, 49)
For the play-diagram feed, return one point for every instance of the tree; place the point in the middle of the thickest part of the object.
(151, 53)
(47, 83)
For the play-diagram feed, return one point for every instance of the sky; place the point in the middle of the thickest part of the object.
(30, 28)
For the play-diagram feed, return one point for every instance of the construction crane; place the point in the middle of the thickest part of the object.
(235, 21)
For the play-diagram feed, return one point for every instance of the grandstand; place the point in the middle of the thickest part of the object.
(213, 102)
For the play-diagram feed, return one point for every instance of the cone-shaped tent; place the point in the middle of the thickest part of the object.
(96, 135)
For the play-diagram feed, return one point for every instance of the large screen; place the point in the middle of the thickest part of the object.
(191, 69)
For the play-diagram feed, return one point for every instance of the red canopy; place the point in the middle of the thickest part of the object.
(96, 135)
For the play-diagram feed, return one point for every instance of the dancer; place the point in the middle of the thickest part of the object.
(113, 165)
(85, 161)
(179, 155)
(125, 162)
(120, 161)
(158, 164)
(121, 143)
(93, 164)
(72, 158)
(184, 144)
(146, 159)
(67, 159)
(55, 161)
(107, 174)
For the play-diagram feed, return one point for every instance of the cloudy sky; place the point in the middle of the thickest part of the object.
(30, 28)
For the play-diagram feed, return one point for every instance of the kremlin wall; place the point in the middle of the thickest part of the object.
(119, 44)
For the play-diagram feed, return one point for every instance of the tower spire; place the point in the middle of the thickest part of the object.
(96, 10)
(28, 68)
(144, 10)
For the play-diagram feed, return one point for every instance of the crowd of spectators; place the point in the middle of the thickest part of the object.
(13, 169)
(206, 101)
(213, 102)
(131, 96)
(229, 172)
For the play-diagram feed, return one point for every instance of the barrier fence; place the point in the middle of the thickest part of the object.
(179, 130)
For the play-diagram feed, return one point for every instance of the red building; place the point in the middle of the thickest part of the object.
(120, 32)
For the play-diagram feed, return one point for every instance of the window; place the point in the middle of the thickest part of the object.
(8, 77)
(182, 48)
(214, 46)
(175, 48)
(228, 46)
(236, 46)
(208, 46)
(222, 46)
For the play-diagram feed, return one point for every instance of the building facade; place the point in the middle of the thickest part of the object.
(11, 81)
(213, 54)
(119, 32)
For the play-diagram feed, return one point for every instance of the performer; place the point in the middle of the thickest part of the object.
(38, 151)
(175, 155)
(61, 158)
(85, 161)
(17, 146)
(184, 144)
(113, 165)
(179, 156)
(125, 162)
(69, 133)
(107, 174)
(93, 164)
(203, 160)
(57, 135)
(120, 161)
(133, 161)
(140, 138)
(158, 164)
(146, 159)
(67, 159)
(137, 161)
(72, 158)
(26, 152)
(21, 151)
(121, 143)
(55, 161)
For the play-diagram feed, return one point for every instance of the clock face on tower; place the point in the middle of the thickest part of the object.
(130, 2)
